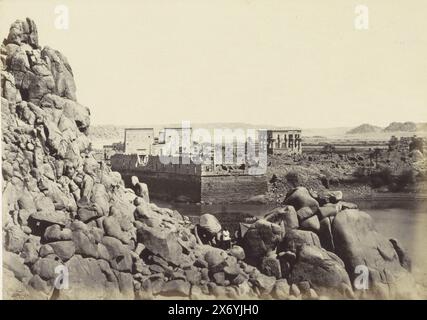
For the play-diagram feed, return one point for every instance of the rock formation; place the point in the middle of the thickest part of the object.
(62, 209)
(73, 231)
(330, 253)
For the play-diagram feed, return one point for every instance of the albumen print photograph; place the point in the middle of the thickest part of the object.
(213, 150)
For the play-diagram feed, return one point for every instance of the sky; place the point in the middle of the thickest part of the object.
(271, 62)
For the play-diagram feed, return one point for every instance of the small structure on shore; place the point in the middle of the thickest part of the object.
(284, 141)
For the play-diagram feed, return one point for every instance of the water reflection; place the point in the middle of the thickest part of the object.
(407, 222)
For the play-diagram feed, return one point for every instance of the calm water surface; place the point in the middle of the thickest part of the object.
(407, 222)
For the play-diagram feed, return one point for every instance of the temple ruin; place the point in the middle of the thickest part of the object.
(284, 141)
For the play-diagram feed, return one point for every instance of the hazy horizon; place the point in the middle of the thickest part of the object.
(244, 123)
(270, 62)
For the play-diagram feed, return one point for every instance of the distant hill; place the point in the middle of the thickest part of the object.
(401, 126)
(407, 126)
(365, 128)
(107, 134)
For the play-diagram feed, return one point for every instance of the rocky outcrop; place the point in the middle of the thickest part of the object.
(261, 239)
(357, 242)
(72, 230)
(283, 216)
(324, 242)
(324, 271)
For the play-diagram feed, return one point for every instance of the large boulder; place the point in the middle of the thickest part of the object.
(261, 238)
(323, 270)
(61, 71)
(358, 243)
(15, 263)
(281, 290)
(85, 243)
(265, 284)
(40, 220)
(285, 216)
(120, 222)
(89, 279)
(119, 255)
(295, 239)
(14, 289)
(112, 228)
(46, 267)
(30, 252)
(140, 189)
(210, 223)
(237, 252)
(328, 210)
(404, 259)
(305, 213)
(32, 75)
(24, 32)
(176, 288)
(270, 266)
(78, 113)
(63, 249)
(311, 224)
(15, 239)
(162, 242)
(55, 233)
(299, 198)
(215, 257)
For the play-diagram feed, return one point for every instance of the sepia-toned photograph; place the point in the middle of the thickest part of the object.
(213, 150)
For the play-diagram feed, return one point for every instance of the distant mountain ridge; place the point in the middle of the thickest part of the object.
(365, 128)
(407, 126)
(115, 133)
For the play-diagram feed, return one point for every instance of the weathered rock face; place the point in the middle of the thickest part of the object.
(91, 279)
(15, 264)
(323, 270)
(262, 238)
(295, 239)
(358, 243)
(61, 72)
(69, 221)
(161, 242)
(24, 32)
(210, 224)
(300, 198)
(286, 217)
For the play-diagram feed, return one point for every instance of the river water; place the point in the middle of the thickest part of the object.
(407, 222)
(404, 220)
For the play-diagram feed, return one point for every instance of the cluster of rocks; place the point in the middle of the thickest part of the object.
(320, 243)
(62, 210)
